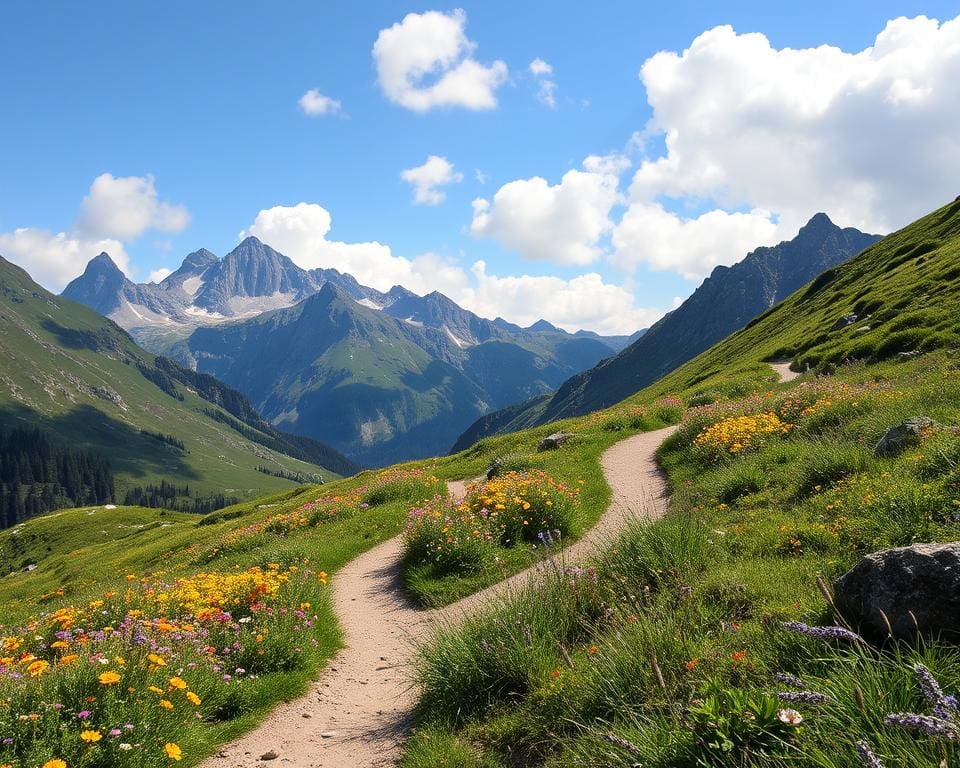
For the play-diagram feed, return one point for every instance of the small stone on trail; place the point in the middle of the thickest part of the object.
(328, 734)
(270, 755)
(306, 715)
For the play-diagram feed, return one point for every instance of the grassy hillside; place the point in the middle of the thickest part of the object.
(81, 379)
(900, 290)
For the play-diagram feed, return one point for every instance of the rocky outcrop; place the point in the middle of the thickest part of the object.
(903, 436)
(554, 441)
(916, 589)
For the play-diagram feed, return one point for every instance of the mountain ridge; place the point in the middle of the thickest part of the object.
(725, 301)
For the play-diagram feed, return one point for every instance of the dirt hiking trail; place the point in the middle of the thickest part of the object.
(359, 712)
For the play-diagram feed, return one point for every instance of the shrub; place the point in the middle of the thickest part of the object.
(518, 506)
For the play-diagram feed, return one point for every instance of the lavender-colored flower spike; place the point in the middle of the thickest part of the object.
(932, 726)
(823, 633)
(943, 707)
(803, 697)
(867, 758)
(619, 741)
(792, 680)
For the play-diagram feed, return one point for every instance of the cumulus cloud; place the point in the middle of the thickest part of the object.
(300, 231)
(315, 104)
(426, 61)
(869, 136)
(546, 85)
(428, 179)
(115, 211)
(158, 275)
(126, 207)
(585, 301)
(691, 246)
(560, 223)
(54, 259)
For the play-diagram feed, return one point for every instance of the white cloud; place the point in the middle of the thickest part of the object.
(54, 259)
(560, 223)
(300, 231)
(585, 301)
(427, 180)
(691, 246)
(315, 104)
(870, 137)
(115, 211)
(426, 61)
(158, 275)
(126, 207)
(546, 85)
(538, 67)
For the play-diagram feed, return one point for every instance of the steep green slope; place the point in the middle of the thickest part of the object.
(897, 298)
(725, 302)
(82, 380)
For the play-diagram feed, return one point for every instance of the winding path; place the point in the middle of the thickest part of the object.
(359, 712)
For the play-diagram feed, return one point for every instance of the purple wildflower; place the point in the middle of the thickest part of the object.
(823, 633)
(932, 726)
(803, 697)
(933, 693)
(792, 680)
(867, 758)
(619, 741)
(83, 714)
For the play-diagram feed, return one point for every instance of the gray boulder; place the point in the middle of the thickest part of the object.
(917, 588)
(554, 441)
(903, 436)
(846, 320)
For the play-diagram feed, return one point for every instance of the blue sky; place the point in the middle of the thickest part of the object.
(199, 102)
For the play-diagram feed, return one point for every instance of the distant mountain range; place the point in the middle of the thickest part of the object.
(725, 302)
(84, 383)
(380, 376)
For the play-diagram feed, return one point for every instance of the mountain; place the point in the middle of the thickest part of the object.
(251, 279)
(385, 384)
(85, 384)
(725, 302)
(254, 278)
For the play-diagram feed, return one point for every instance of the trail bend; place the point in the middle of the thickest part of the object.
(359, 712)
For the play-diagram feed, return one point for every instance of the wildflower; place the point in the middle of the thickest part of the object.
(38, 667)
(125, 746)
(166, 703)
(193, 698)
(179, 683)
(83, 714)
(789, 716)
(792, 680)
(867, 758)
(55, 763)
(932, 726)
(173, 751)
(823, 633)
(91, 737)
(944, 706)
(156, 660)
(738, 656)
(109, 678)
(803, 697)
(691, 664)
(114, 732)
(619, 741)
